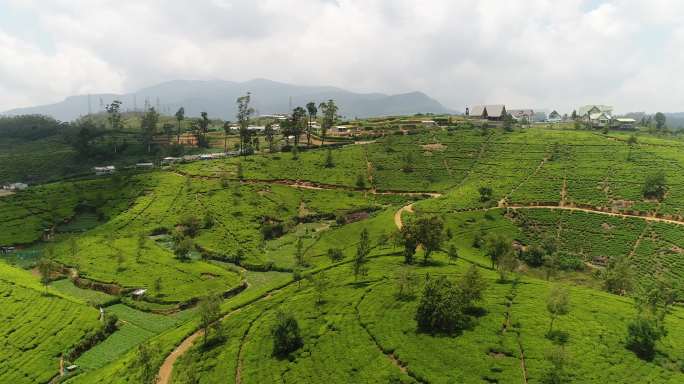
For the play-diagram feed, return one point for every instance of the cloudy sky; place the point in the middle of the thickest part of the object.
(524, 53)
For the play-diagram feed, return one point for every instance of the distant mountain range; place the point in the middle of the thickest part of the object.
(217, 98)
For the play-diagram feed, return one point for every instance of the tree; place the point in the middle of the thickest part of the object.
(329, 159)
(497, 247)
(472, 286)
(485, 194)
(244, 114)
(360, 181)
(441, 307)
(114, 117)
(533, 256)
(653, 302)
(299, 253)
(269, 132)
(506, 264)
(429, 233)
(556, 374)
(408, 238)
(557, 304)
(655, 186)
(190, 225)
(147, 354)
(660, 120)
(642, 335)
(361, 258)
(508, 123)
(182, 249)
(286, 336)
(297, 124)
(73, 246)
(203, 130)
(312, 110)
(210, 312)
(452, 253)
(320, 284)
(406, 281)
(148, 126)
(226, 131)
(180, 116)
(335, 254)
(618, 277)
(46, 267)
(167, 128)
(574, 115)
(329, 110)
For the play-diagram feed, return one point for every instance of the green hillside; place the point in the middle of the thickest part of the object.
(282, 232)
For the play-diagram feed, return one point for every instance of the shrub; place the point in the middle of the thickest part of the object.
(271, 230)
(191, 225)
(485, 194)
(533, 256)
(335, 254)
(642, 335)
(655, 186)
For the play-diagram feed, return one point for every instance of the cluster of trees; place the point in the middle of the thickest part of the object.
(652, 301)
(426, 231)
(446, 306)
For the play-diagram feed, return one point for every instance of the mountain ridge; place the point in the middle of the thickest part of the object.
(217, 98)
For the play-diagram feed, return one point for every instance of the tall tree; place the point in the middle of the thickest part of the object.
(298, 123)
(210, 313)
(148, 126)
(180, 116)
(313, 111)
(299, 252)
(226, 131)
(46, 267)
(269, 132)
(329, 110)
(557, 304)
(114, 117)
(497, 247)
(660, 120)
(361, 258)
(286, 335)
(203, 130)
(244, 114)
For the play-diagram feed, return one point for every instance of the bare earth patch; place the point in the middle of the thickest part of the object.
(434, 147)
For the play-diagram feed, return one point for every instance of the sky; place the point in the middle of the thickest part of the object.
(543, 54)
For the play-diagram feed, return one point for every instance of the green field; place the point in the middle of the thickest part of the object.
(257, 223)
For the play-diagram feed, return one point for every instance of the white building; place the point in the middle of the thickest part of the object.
(15, 187)
(107, 170)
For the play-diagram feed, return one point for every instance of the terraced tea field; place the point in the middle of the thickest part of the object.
(36, 329)
(260, 231)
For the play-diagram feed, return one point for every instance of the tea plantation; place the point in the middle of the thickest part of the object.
(234, 248)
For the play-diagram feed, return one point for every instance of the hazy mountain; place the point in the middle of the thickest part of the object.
(217, 97)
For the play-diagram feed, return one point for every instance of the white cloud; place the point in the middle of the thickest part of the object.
(538, 53)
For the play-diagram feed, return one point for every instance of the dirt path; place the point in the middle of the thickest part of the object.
(397, 214)
(166, 368)
(597, 211)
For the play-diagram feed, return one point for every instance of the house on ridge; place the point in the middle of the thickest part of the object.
(523, 115)
(554, 117)
(494, 112)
